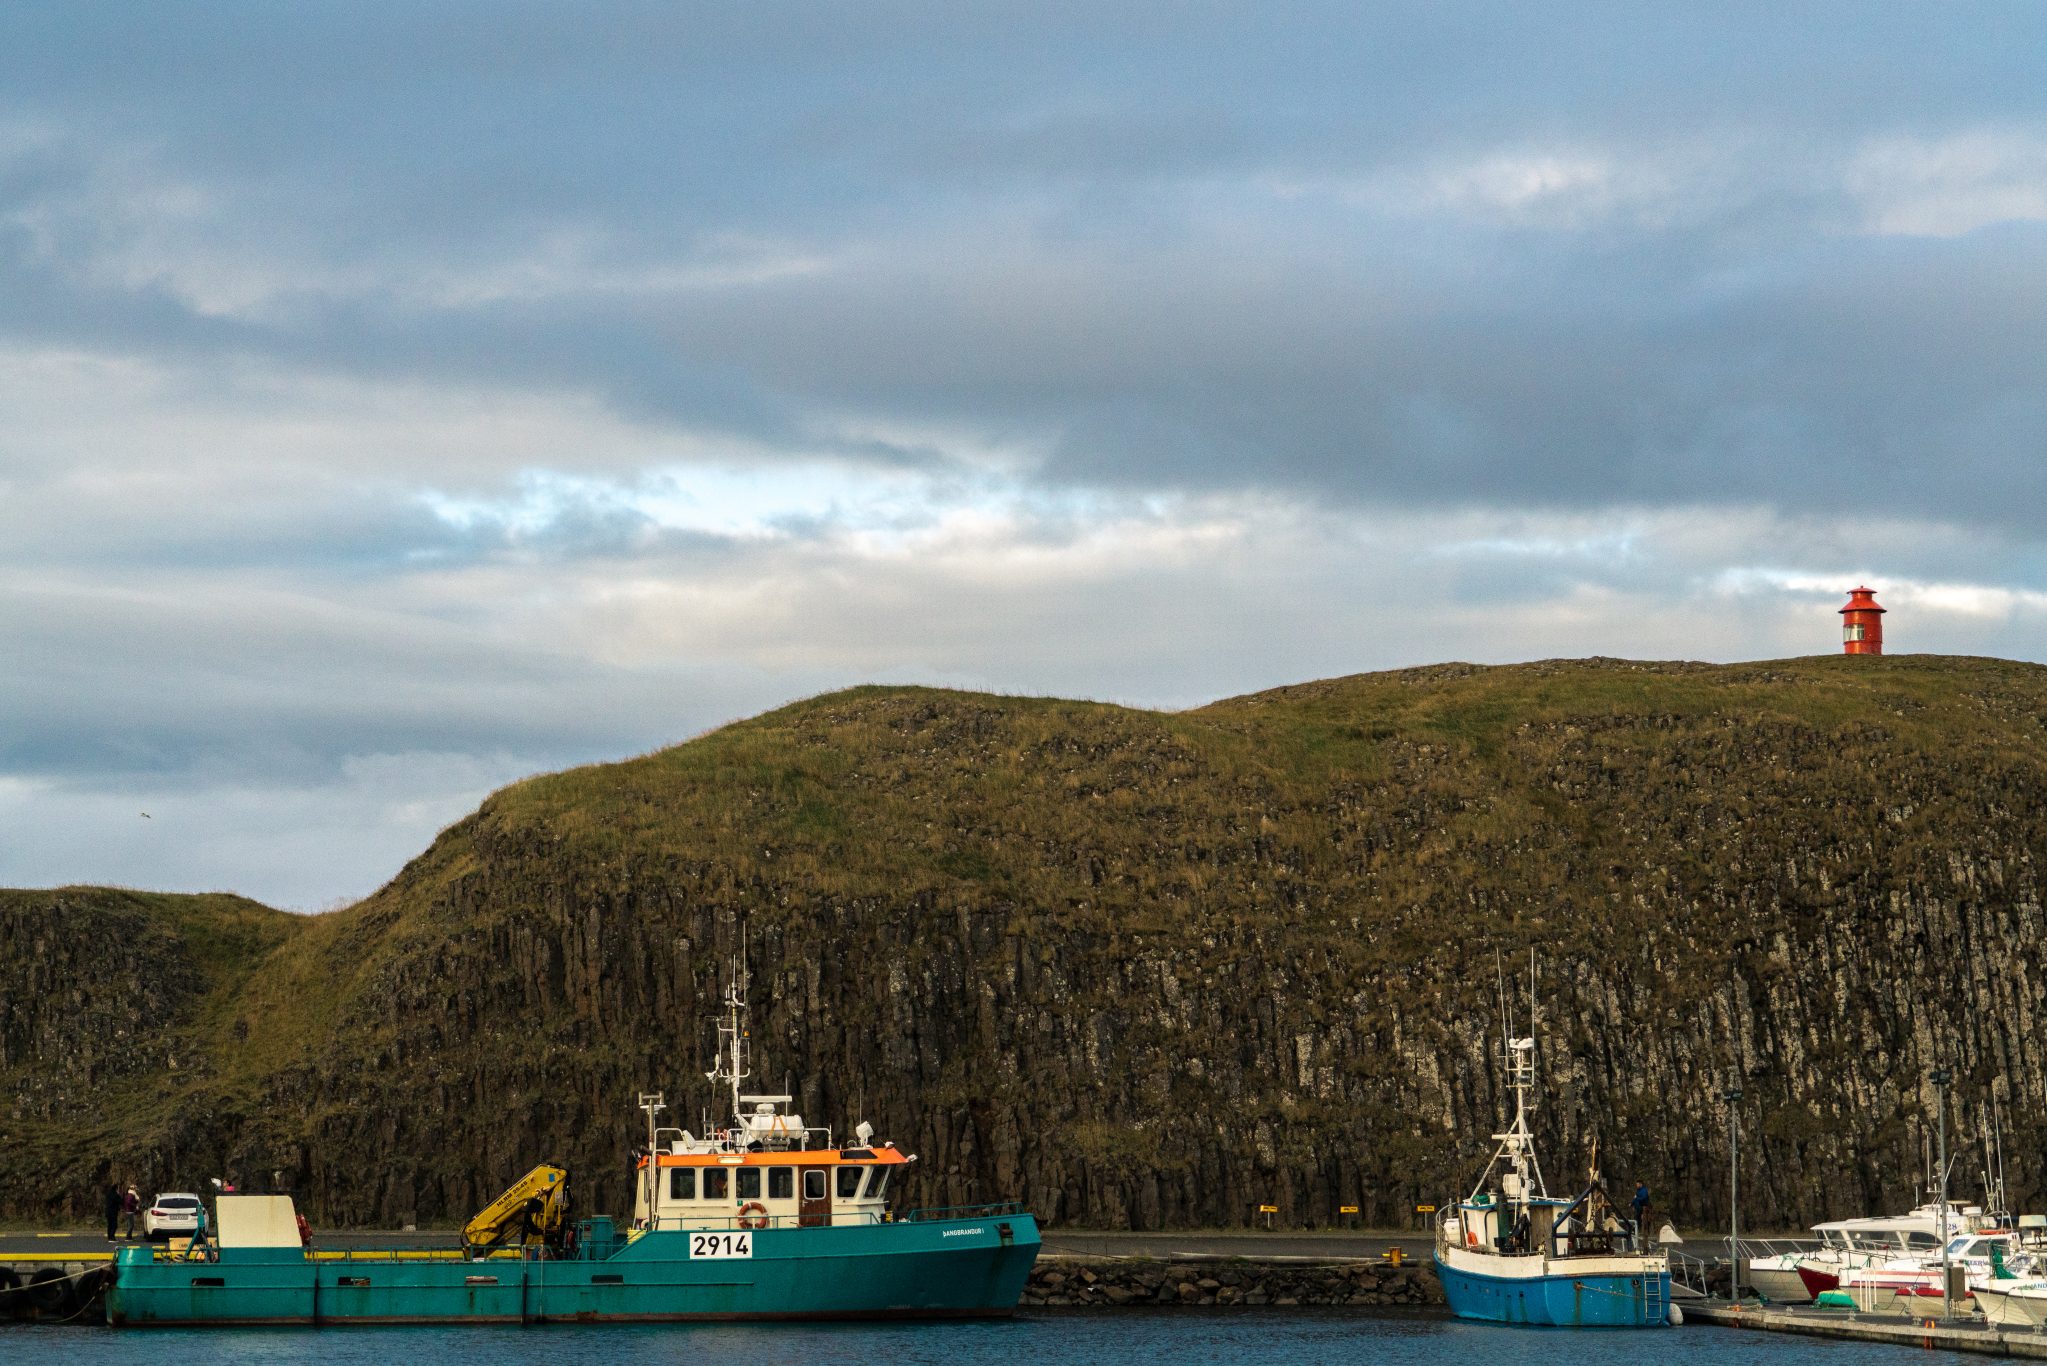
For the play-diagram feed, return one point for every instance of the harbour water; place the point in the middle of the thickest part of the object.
(1182, 1337)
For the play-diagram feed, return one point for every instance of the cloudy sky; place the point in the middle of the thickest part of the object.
(399, 400)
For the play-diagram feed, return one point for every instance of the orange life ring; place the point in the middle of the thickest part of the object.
(753, 1214)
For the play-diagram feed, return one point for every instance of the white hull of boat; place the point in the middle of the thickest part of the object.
(2001, 1309)
(2029, 1303)
(1779, 1284)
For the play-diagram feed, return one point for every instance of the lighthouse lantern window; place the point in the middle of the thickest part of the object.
(1851, 632)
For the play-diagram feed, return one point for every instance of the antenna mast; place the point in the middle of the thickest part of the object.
(653, 1103)
(735, 1046)
(1517, 1144)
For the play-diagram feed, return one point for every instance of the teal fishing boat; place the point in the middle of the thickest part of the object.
(766, 1218)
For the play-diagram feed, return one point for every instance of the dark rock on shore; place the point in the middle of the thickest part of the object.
(1117, 1284)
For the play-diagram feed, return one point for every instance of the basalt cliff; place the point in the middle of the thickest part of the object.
(1132, 968)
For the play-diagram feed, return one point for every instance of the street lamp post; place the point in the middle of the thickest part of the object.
(1941, 1079)
(1732, 1097)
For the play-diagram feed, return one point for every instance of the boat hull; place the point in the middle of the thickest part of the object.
(1819, 1277)
(967, 1268)
(1780, 1284)
(2027, 1306)
(1603, 1293)
(2000, 1308)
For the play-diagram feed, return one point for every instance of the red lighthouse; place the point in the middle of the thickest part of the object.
(1862, 623)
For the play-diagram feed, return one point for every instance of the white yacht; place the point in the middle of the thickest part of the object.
(1848, 1245)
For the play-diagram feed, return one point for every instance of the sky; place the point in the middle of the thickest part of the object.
(397, 400)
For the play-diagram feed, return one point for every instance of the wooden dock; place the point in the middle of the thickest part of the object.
(1961, 1335)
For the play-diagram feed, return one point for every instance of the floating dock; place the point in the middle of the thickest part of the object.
(1959, 1335)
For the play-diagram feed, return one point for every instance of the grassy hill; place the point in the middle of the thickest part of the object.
(1133, 967)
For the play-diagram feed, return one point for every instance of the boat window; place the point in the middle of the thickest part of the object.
(1921, 1240)
(877, 1181)
(714, 1183)
(682, 1183)
(749, 1181)
(849, 1182)
(813, 1183)
(781, 1183)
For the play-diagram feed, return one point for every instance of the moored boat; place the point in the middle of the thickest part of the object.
(1511, 1253)
(1777, 1278)
(766, 1218)
(1913, 1284)
(1848, 1245)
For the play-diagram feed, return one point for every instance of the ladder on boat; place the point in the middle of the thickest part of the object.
(1655, 1296)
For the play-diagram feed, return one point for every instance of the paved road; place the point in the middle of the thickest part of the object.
(21, 1246)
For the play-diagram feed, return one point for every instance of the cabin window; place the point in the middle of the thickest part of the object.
(813, 1183)
(749, 1179)
(877, 1181)
(682, 1183)
(849, 1182)
(781, 1183)
(714, 1183)
(1916, 1240)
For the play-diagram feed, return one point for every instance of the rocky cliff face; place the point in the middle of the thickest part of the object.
(1146, 970)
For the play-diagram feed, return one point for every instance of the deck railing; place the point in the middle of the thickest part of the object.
(1708, 1276)
(680, 1223)
(671, 1223)
(1000, 1209)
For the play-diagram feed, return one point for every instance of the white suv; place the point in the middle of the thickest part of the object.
(171, 1214)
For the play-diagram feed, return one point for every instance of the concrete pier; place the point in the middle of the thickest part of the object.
(1960, 1335)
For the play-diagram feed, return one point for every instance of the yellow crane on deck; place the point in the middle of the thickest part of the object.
(532, 1211)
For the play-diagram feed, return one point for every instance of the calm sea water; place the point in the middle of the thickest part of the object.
(1179, 1337)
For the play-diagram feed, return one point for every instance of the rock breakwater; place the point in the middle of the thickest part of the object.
(1126, 1283)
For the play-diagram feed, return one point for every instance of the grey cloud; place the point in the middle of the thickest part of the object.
(227, 684)
(1081, 235)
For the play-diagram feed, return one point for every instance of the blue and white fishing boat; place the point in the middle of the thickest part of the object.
(1512, 1253)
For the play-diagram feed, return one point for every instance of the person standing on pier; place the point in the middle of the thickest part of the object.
(1641, 1207)
(113, 1205)
(131, 1205)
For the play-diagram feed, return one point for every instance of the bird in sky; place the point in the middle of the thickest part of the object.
(146, 816)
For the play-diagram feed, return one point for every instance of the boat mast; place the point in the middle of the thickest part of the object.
(1997, 1130)
(1517, 1144)
(734, 1041)
(653, 1103)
